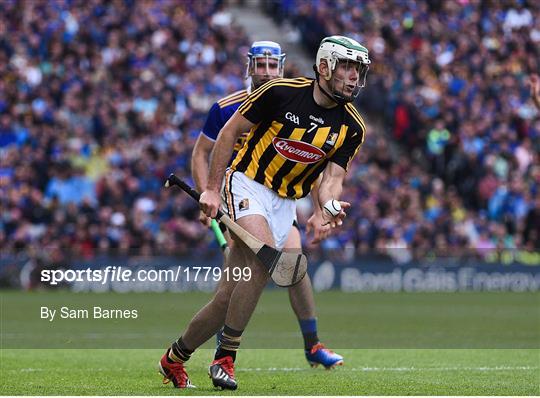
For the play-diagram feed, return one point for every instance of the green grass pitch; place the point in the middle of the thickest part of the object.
(393, 344)
(276, 372)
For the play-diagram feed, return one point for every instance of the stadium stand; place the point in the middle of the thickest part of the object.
(450, 80)
(100, 100)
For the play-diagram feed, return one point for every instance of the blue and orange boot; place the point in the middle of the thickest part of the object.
(319, 355)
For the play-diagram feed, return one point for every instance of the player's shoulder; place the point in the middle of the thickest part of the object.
(296, 82)
(232, 99)
(355, 118)
(286, 84)
(293, 80)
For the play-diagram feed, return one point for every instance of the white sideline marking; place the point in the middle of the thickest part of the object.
(364, 369)
(401, 369)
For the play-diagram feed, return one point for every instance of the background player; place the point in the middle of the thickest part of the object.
(282, 158)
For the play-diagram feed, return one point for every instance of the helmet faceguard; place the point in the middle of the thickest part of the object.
(343, 55)
(265, 62)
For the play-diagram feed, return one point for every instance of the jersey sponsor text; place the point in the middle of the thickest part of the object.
(297, 151)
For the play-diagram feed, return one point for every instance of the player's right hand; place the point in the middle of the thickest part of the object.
(204, 219)
(209, 203)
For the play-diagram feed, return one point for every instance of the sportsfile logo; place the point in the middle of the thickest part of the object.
(297, 151)
(293, 118)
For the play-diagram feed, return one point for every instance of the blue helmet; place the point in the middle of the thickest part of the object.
(265, 62)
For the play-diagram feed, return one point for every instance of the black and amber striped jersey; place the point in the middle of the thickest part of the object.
(294, 138)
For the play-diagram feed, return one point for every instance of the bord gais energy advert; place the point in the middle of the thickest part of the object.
(269, 197)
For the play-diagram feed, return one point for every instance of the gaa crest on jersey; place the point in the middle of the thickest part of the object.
(292, 117)
(297, 151)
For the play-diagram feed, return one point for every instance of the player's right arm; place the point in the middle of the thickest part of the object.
(260, 104)
(199, 167)
(199, 161)
(200, 157)
(222, 152)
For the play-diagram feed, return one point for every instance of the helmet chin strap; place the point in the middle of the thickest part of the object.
(354, 93)
(337, 100)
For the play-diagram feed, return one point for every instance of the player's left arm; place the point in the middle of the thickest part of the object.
(316, 223)
(334, 173)
(331, 188)
(314, 194)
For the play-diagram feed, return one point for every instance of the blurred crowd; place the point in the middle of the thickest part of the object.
(101, 100)
(450, 81)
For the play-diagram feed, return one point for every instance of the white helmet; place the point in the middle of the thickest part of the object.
(341, 48)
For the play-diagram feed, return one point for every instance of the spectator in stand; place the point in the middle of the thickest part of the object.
(97, 105)
(450, 79)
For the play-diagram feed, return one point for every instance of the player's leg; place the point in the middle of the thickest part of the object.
(301, 294)
(303, 305)
(207, 322)
(246, 293)
(230, 244)
(268, 217)
(242, 303)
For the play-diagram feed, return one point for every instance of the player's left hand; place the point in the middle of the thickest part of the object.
(337, 220)
(210, 202)
(315, 225)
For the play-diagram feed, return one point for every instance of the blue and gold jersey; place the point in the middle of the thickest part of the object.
(220, 112)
